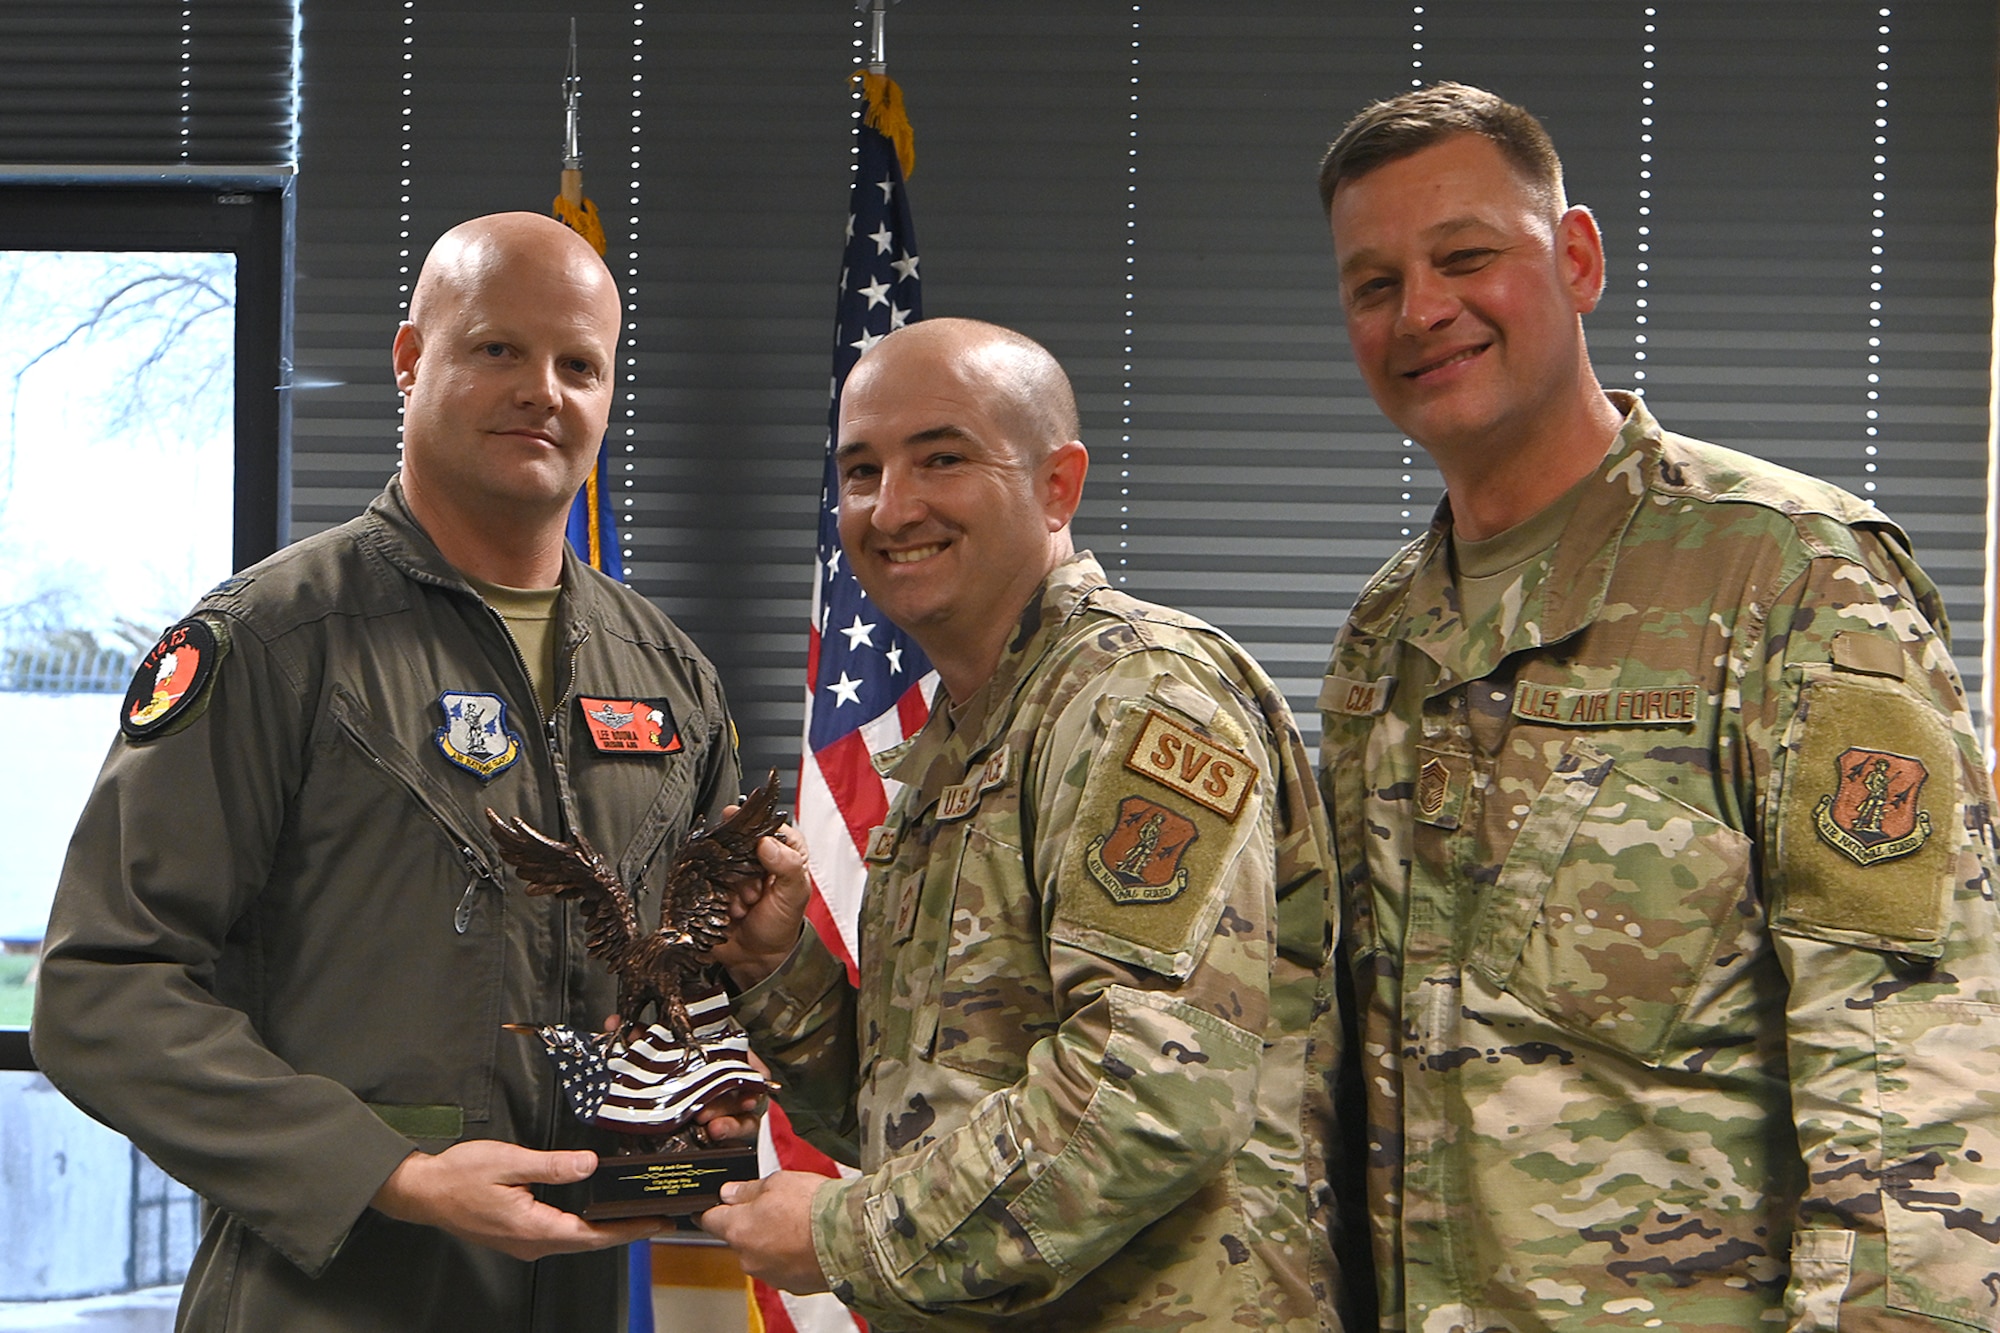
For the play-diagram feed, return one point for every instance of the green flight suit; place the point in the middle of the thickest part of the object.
(284, 943)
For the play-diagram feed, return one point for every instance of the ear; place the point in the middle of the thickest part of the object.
(1580, 253)
(403, 354)
(1061, 482)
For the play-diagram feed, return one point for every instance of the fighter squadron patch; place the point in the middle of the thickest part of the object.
(630, 726)
(170, 684)
(475, 734)
(1873, 815)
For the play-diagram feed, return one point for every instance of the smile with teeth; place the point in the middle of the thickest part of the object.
(913, 554)
(1465, 354)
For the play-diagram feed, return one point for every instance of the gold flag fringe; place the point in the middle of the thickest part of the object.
(885, 115)
(581, 218)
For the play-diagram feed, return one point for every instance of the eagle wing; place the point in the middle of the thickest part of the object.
(694, 903)
(572, 870)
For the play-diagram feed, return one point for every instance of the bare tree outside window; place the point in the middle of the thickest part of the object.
(133, 352)
(117, 420)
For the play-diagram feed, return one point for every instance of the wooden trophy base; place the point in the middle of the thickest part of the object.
(665, 1184)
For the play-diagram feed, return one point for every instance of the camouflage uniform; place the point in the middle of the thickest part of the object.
(1667, 1021)
(1094, 1004)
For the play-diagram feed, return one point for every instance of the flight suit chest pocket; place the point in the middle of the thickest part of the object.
(1612, 905)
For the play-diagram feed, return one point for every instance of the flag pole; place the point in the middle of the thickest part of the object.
(592, 531)
(868, 685)
(572, 176)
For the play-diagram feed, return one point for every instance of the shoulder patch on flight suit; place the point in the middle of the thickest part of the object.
(630, 726)
(170, 687)
(1162, 814)
(1866, 813)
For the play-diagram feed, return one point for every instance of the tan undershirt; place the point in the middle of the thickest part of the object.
(1485, 569)
(528, 613)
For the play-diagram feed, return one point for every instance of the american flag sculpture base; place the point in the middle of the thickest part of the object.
(665, 1184)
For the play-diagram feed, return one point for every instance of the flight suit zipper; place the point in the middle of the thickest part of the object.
(349, 713)
(567, 811)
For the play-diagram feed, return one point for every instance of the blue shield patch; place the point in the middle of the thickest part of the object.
(475, 734)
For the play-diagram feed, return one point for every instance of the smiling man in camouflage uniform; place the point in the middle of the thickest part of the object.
(1664, 836)
(1086, 1069)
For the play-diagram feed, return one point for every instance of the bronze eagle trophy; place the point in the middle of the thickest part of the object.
(676, 1049)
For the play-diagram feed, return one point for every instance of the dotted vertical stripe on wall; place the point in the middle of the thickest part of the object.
(1880, 192)
(1648, 51)
(1131, 281)
(629, 463)
(187, 78)
(407, 93)
(1404, 522)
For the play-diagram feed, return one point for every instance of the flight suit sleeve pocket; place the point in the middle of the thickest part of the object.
(1165, 811)
(1613, 905)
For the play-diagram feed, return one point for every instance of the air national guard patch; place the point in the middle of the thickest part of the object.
(1139, 860)
(630, 726)
(1873, 814)
(168, 688)
(475, 734)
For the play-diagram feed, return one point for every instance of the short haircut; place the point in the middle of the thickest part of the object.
(1035, 388)
(1411, 122)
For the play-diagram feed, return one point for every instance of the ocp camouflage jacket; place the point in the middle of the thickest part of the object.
(1086, 1070)
(1669, 891)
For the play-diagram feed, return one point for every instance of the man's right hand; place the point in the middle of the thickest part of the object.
(479, 1191)
(766, 913)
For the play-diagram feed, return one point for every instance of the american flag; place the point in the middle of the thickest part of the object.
(869, 686)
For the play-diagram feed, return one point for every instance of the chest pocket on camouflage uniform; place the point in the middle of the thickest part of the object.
(994, 993)
(1612, 905)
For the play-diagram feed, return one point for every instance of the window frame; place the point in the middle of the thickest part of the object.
(247, 215)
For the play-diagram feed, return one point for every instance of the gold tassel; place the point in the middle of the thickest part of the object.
(885, 115)
(580, 218)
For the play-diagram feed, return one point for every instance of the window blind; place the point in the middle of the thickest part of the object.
(1134, 186)
(148, 84)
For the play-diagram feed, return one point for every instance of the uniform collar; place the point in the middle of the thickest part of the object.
(394, 533)
(1557, 595)
(966, 729)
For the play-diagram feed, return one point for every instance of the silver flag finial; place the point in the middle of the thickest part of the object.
(572, 99)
